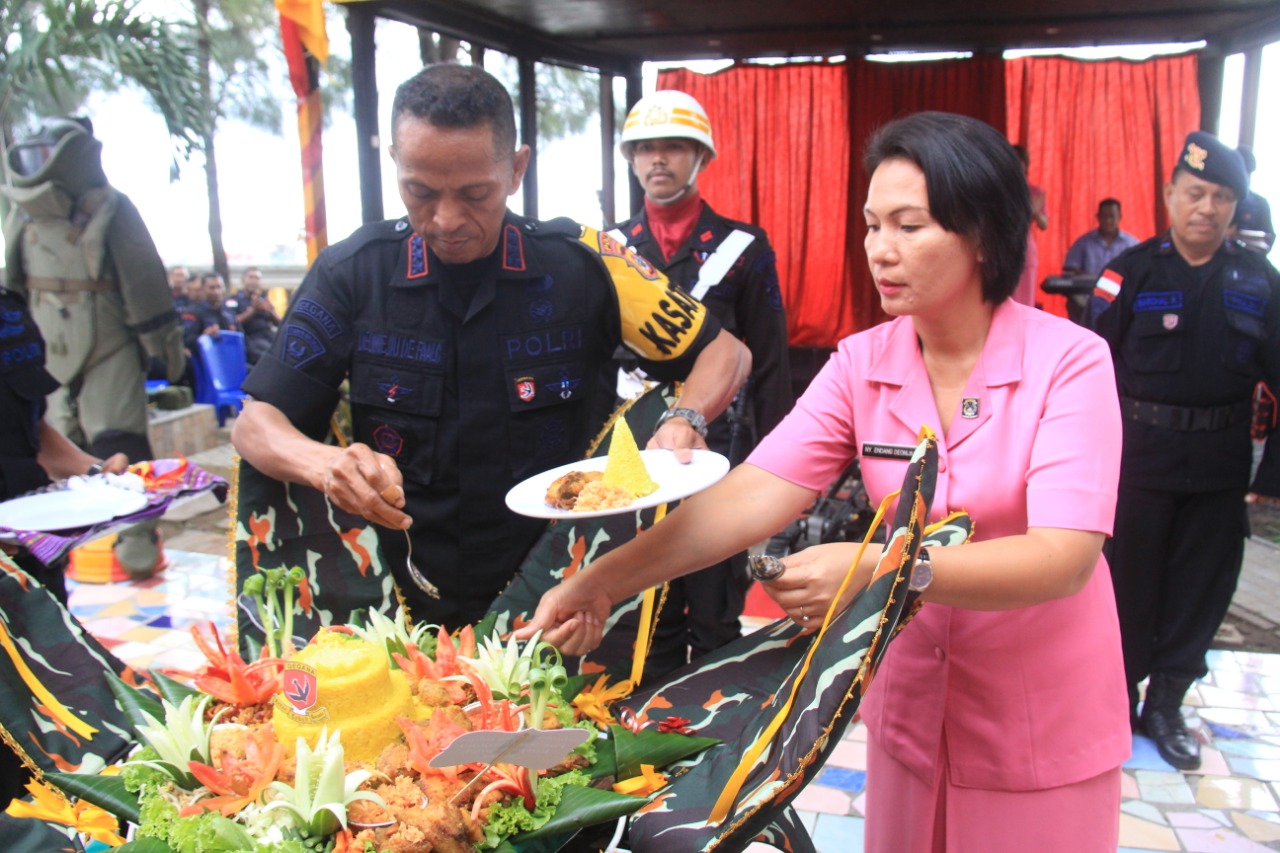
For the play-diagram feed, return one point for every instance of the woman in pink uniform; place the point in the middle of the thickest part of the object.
(998, 721)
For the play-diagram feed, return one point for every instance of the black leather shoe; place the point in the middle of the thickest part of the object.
(1173, 741)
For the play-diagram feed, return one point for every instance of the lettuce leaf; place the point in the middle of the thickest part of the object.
(511, 818)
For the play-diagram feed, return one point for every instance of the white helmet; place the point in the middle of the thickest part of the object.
(665, 114)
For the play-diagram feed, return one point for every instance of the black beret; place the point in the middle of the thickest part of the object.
(1204, 156)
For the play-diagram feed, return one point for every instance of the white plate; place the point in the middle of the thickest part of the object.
(69, 509)
(674, 481)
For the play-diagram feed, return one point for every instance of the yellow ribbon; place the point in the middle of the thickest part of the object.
(56, 708)
(730, 793)
(643, 785)
(644, 636)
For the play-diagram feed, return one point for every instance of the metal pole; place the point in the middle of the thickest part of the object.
(608, 205)
(635, 91)
(529, 132)
(1249, 95)
(364, 86)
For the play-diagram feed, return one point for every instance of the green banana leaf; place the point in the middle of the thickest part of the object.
(581, 807)
(134, 702)
(172, 690)
(649, 746)
(105, 792)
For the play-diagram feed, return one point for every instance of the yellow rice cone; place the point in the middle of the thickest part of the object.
(625, 468)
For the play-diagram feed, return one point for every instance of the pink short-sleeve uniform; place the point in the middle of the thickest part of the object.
(1031, 698)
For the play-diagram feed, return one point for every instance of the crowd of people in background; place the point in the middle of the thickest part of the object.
(205, 308)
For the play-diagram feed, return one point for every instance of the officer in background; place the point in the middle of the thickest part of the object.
(32, 453)
(1252, 224)
(478, 345)
(731, 268)
(1193, 320)
(100, 296)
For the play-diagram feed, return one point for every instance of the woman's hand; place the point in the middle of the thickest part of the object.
(813, 577)
(571, 616)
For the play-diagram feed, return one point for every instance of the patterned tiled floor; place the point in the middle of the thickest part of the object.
(1231, 805)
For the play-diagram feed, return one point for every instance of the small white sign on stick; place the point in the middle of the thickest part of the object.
(537, 749)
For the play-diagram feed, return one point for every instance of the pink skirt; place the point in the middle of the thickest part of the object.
(907, 814)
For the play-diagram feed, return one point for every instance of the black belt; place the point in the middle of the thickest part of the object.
(1186, 418)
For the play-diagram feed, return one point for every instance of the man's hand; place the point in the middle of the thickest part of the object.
(368, 484)
(116, 463)
(212, 331)
(677, 435)
(571, 617)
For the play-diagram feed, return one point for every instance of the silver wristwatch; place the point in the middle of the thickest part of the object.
(921, 572)
(695, 419)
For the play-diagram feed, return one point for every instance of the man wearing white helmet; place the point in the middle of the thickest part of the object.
(731, 268)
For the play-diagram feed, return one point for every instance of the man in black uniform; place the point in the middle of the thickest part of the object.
(476, 343)
(730, 266)
(207, 315)
(1252, 222)
(1194, 323)
(254, 314)
(32, 453)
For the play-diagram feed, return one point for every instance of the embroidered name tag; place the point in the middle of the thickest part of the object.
(1165, 300)
(1246, 302)
(876, 450)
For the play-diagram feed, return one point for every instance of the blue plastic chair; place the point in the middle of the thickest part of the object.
(223, 372)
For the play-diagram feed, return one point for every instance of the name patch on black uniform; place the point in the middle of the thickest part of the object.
(1246, 302)
(1165, 300)
(401, 348)
(877, 450)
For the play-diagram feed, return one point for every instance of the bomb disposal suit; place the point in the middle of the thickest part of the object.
(98, 291)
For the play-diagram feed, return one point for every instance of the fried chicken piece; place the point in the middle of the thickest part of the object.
(563, 492)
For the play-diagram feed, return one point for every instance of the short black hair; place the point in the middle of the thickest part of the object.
(1107, 201)
(458, 96)
(975, 183)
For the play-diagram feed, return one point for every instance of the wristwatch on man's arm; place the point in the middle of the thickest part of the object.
(694, 418)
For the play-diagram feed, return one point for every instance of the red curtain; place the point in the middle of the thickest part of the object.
(782, 163)
(883, 91)
(790, 140)
(1094, 130)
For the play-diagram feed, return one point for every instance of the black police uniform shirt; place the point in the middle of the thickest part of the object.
(198, 316)
(24, 385)
(472, 377)
(747, 302)
(259, 328)
(1195, 337)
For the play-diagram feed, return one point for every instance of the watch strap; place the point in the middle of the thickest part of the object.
(694, 418)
